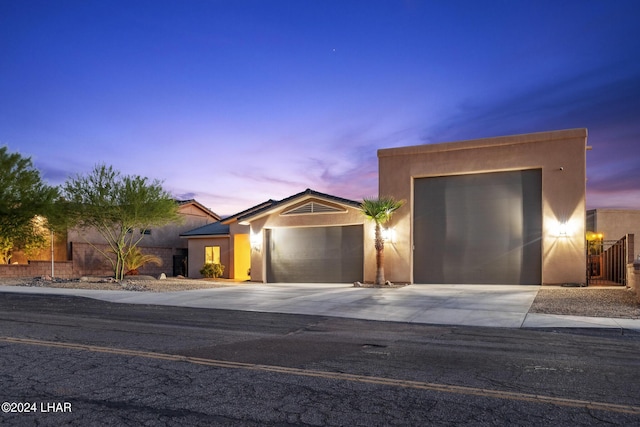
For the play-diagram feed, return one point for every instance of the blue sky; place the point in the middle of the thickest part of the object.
(236, 102)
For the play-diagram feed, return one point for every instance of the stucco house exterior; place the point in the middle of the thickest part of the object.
(505, 210)
(225, 242)
(74, 255)
(614, 224)
(612, 248)
(307, 237)
(164, 242)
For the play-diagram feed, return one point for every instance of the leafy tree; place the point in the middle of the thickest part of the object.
(118, 207)
(23, 197)
(379, 211)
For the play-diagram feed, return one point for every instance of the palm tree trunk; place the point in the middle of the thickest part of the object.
(379, 256)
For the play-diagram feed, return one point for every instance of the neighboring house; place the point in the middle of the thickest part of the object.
(165, 242)
(307, 237)
(506, 210)
(614, 224)
(59, 251)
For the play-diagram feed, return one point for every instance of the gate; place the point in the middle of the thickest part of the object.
(180, 262)
(607, 262)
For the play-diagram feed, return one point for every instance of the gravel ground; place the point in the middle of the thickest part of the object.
(137, 283)
(617, 302)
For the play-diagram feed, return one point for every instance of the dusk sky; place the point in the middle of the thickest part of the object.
(236, 102)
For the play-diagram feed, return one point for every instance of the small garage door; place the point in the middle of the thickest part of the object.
(480, 228)
(315, 254)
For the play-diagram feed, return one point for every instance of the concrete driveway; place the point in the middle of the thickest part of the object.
(470, 305)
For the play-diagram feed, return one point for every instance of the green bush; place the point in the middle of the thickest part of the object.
(212, 270)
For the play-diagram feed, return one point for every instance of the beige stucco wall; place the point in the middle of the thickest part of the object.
(167, 236)
(196, 254)
(351, 216)
(615, 224)
(633, 279)
(559, 154)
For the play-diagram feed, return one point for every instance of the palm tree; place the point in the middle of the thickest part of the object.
(135, 259)
(380, 210)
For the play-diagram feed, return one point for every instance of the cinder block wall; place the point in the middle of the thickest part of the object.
(62, 269)
(88, 261)
(165, 254)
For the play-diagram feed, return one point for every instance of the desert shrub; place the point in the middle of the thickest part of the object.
(212, 270)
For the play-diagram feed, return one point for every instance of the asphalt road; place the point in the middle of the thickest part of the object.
(69, 360)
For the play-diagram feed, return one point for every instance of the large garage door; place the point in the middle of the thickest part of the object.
(481, 228)
(315, 254)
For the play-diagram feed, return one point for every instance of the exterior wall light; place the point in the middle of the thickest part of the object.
(389, 235)
(562, 229)
(255, 239)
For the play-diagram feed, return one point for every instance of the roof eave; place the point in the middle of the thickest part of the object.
(296, 198)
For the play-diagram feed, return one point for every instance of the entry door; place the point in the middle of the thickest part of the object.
(315, 254)
(480, 228)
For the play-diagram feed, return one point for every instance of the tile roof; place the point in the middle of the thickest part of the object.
(213, 229)
(259, 206)
(307, 192)
(221, 227)
(199, 205)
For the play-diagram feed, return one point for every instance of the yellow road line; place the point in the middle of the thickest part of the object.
(419, 385)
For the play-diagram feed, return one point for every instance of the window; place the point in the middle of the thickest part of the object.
(212, 254)
(142, 231)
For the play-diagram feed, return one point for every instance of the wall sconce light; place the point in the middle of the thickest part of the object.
(255, 239)
(389, 235)
(562, 230)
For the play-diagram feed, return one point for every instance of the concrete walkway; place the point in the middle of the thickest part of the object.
(471, 305)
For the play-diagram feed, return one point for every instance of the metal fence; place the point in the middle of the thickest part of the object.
(607, 262)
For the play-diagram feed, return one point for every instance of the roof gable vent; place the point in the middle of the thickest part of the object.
(311, 208)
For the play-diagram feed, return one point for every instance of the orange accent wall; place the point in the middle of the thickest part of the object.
(241, 256)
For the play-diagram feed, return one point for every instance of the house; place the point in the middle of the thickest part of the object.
(224, 242)
(164, 242)
(74, 253)
(307, 237)
(614, 224)
(611, 235)
(505, 210)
